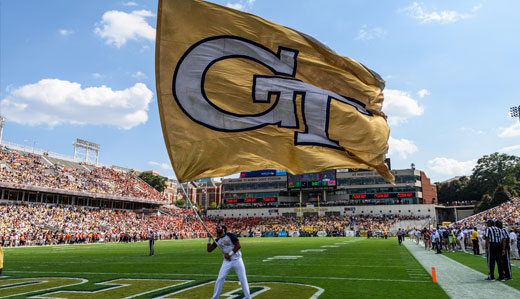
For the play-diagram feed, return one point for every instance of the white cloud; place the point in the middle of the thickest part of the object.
(130, 3)
(416, 11)
(451, 167)
(510, 148)
(139, 75)
(98, 75)
(243, 5)
(237, 6)
(471, 131)
(512, 131)
(54, 102)
(65, 32)
(370, 33)
(402, 147)
(117, 27)
(422, 93)
(399, 106)
(165, 166)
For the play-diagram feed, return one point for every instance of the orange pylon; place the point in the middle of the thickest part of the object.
(434, 274)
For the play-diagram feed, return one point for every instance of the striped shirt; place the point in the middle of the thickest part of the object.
(505, 234)
(494, 234)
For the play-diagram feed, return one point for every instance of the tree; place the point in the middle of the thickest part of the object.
(495, 169)
(156, 181)
(180, 203)
(502, 194)
(495, 180)
(454, 190)
(483, 204)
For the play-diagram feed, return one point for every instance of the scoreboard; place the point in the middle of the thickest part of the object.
(312, 180)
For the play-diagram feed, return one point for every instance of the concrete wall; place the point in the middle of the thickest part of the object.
(453, 213)
(407, 210)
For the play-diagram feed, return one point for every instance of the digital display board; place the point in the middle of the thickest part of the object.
(251, 200)
(262, 173)
(383, 195)
(312, 180)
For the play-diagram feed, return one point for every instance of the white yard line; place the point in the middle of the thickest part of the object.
(458, 280)
(213, 275)
(283, 257)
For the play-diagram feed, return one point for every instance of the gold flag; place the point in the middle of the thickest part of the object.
(239, 93)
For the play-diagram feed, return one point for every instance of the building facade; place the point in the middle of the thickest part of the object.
(205, 193)
(412, 186)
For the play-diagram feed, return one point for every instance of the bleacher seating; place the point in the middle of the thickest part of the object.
(36, 170)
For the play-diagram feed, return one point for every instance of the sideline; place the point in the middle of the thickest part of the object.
(484, 257)
(458, 280)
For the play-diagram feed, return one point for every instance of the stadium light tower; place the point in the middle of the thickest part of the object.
(514, 111)
(2, 121)
(86, 146)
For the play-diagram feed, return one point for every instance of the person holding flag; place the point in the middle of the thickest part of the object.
(240, 93)
(230, 247)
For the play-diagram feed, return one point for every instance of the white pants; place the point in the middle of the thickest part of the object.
(514, 249)
(240, 270)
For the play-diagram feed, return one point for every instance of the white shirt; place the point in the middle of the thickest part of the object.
(436, 236)
(227, 243)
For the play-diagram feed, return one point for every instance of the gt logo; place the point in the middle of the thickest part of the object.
(259, 290)
(188, 91)
(45, 287)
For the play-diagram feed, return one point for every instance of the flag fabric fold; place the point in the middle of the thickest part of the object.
(239, 93)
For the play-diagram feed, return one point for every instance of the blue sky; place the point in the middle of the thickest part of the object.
(85, 69)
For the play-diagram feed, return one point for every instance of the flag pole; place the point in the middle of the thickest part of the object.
(301, 215)
(319, 216)
(196, 213)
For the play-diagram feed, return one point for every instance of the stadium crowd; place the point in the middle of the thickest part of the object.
(29, 169)
(310, 226)
(41, 224)
(508, 213)
(468, 234)
(38, 224)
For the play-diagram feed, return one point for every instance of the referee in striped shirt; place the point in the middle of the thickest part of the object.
(506, 262)
(495, 248)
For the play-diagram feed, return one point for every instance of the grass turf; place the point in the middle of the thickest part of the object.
(347, 268)
(480, 264)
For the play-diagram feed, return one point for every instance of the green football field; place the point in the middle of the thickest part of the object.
(276, 268)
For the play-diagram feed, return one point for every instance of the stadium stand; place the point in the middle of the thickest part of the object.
(42, 224)
(32, 223)
(39, 224)
(36, 170)
(508, 213)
